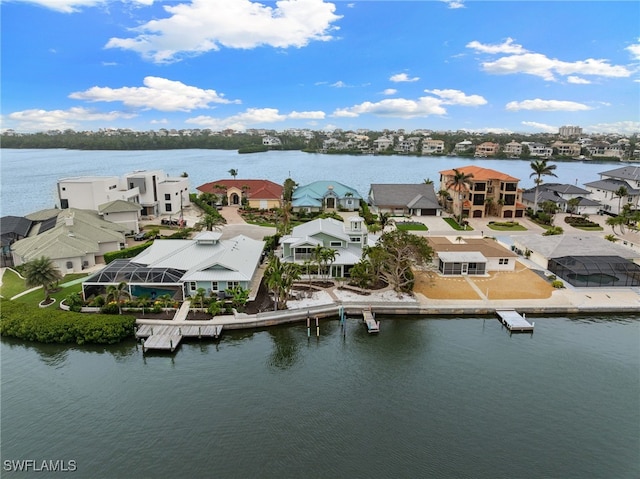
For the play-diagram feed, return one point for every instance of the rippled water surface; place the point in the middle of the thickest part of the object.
(456, 397)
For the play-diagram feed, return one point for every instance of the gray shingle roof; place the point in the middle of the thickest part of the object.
(414, 196)
(624, 173)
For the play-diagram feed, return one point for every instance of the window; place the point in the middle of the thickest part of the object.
(192, 286)
(232, 284)
(335, 243)
(214, 286)
(355, 239)
(503, 261)
(167, 196)
(167, 206)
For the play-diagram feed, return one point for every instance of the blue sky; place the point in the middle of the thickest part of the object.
(506, 66)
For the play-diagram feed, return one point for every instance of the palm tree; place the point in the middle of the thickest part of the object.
(279, 278)
(114, 293)
(572, 204)
(166, 300)
(233, 172)
(460, 183)
(488, 203)
(328, 256)
(42, 272)
(443, 194)
(211, 222)
(428, 181)
(620, 193)
(201, 293)
(540, 168)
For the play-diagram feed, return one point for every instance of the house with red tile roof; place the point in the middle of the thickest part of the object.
(261, 194)
(489, 193)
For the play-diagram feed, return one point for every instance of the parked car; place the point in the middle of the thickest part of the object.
(173, 222)
(140, 236)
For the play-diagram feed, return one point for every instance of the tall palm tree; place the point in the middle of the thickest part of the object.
(328, 256)
(233, 172)
(460, 183)
(42, 272)
(211, 222)
(540, 168)
(620, 193)
(279, 278)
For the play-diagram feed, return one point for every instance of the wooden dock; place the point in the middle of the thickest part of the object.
(514, 322)
(168, 337)
(373, 326)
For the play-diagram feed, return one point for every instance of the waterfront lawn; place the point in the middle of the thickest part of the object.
(506, 226)
(12, 284)
(454, 224)
(411, 226)
(34, 297)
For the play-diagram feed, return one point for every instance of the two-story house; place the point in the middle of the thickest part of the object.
(611, 182)
(487, 148)
(561, 195)
(431, 147)
(346, 239)
(513, 149)
(490, 193)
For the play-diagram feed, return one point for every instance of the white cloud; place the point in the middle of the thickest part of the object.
(402, 77)
(204, 25)
(306, 115)
(622, 127)
(454, 3)
(456, 97)
(71, 6)
(162, 121)
(390, 91)
(339, 84)
(546, 105)
(505, 47)
(578, 80)
(42, 120)
(544, 67)
(157, 93)
(634, 50)
(541, 127)
(253, 116)
(396, 107)
(404, 108)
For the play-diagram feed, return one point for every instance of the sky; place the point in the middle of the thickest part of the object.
(504, 66)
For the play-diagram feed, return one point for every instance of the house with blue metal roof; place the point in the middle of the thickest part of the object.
(325, 196)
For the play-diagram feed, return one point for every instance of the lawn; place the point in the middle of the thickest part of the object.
(506, 226)
(411, 226)
(454, 224)
(12, 284)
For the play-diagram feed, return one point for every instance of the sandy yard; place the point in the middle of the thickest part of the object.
(519, 284)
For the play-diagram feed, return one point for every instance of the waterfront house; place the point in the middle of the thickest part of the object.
(73, 239)
(582, 260)
(561, 194)
(259, 194)
(539, 150)
(325, 196)
(471, 256)
(465, 146)
(404, 199)
(180, 267)
(513, 149)
(154, 190)
(606, 188)
(346, 238)
(382, 143)
(487, 148)
(123, 213)
(12, 229)
(432, 147)
(491, 193)
(567, 149)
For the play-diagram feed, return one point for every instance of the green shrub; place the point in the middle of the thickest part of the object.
(110, 308)
(49, 325)
(74, 301)
(126, 253)
(557, 284)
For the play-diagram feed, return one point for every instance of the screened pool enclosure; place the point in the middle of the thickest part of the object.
(596, 271)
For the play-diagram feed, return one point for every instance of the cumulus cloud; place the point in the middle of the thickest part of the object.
(456, 97)
(204, 25)
(390, 91)
(634, 50)
(454, 3)
(546, 105)
(252, 116)
(157, 93)
(71, 6)
(505, 47)
(577, 80)
(403, 77)
(407, 108)
(42, 120)
(546, 68)
(541, 127)
(622, 127)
